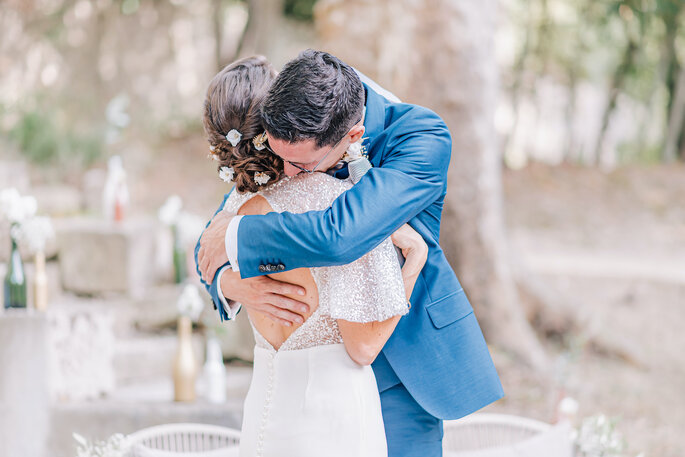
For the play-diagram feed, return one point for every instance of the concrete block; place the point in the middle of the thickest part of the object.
(93, 187)
(24, 397)
(58, 200)
(81, 341)
(98, 257)
(141, 357)
(236, 338)
(14, 173)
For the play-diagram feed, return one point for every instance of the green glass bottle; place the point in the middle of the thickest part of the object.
(180, 271)
(15, 280)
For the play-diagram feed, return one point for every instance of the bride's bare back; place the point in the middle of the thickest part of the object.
(273, 332)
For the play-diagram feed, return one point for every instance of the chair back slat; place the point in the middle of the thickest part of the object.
(183, 440)
(499, 435)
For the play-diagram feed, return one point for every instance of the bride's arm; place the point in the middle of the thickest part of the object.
(363, 342)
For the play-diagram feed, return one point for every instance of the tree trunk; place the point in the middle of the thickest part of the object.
(616, 86)
(519, 71)
(262, 27)
(676, 119)
(217, 31)
(440, 54)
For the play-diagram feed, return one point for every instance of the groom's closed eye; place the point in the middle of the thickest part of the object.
(299, 164)
(286, 160)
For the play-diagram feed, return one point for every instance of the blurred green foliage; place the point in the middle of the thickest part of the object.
(302, 10)
(44, 140)
(632, 48)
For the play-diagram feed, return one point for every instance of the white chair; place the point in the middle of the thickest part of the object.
(184, 440)
(501, 435)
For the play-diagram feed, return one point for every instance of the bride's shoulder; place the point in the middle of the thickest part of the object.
(305, 182)
(305, 191)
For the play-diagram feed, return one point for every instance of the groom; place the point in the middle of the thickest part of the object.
(436, 365)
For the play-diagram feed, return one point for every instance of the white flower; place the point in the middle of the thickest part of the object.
(213, 156)
(15, 208)
(261, 178)
(234, 137)
(597, 436)
(568, 406)
(226, 173)
(114, 446)
(190, 227)
(190, 303)
(354, 151)
(169, 212)
(33, 233)
(80, 439)
(212, 147)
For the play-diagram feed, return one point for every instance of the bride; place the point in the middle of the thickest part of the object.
(313, 391)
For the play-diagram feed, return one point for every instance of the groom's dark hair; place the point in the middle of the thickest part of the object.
(315, 97)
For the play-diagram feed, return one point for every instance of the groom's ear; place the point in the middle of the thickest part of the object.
(356, 133)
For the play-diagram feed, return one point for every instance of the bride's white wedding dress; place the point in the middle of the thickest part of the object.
(309, 398)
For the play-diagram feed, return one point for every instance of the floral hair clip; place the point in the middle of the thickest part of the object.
(226, 174)
(259, 140)
(234, 137)
(212, 153)
(261, 178)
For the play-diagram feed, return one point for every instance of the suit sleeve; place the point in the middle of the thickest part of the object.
(410, 178)
(213, 288)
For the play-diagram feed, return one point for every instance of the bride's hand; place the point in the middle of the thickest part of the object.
(212, 253)
(415, 251)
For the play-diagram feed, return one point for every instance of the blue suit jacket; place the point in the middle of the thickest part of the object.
(437, 350)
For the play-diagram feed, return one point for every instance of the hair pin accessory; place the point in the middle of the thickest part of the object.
(226, 174)
(259, 141)
(234, 137)
(261, 178)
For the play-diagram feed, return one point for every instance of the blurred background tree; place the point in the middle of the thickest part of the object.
(597, 83)
(568, 125)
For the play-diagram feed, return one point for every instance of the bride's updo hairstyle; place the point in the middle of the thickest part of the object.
(232, 120)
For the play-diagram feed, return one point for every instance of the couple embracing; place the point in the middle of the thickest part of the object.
(365, 340)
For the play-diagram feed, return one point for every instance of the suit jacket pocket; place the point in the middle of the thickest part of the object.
(449, 309)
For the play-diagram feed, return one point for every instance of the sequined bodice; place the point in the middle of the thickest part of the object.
(368, 289)
(318, 330)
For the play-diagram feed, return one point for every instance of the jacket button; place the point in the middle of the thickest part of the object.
(262, 268)
(281, 267)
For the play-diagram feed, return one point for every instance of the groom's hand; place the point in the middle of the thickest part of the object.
(267, 296)
(212, 253)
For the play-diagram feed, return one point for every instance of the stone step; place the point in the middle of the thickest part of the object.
(154, 311)
(148, 356)
(143, 331)
(139, 405)
(591, 264)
